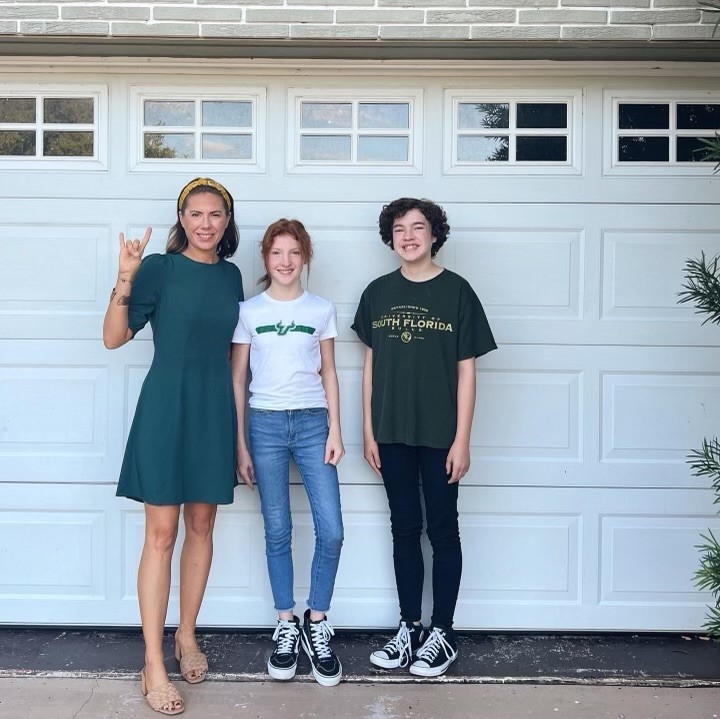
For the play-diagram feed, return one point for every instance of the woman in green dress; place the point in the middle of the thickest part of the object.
(181, 447)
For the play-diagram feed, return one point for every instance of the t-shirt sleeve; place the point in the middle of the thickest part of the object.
(242, 334)
(475, 338)
(146, 290)
(330, 329)
(362, 323)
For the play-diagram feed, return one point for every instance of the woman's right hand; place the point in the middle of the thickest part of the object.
(131, 252)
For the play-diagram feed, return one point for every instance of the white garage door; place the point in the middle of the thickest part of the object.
(573, 203)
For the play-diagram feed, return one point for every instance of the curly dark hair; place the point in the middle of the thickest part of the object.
(434, 214)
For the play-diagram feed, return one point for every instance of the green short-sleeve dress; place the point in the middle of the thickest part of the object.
(181, 446)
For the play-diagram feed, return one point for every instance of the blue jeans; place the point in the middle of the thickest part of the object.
(275, 436)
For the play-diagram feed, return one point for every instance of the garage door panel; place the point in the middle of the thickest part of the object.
(528, 415)
(548, 544)
(657, 417)
(531, 273)
(55, 554)
(644, 271)
(54, 422)
(651, 559)
(52, 267)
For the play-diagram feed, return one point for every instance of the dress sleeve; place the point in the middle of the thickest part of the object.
(475, 338)
(238, 283)
(330, 329)
(242, 334)
(146, 290)
(362, 323)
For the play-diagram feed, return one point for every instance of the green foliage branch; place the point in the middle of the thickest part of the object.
(702, 288)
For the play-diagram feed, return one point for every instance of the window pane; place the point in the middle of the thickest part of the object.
(16, 142)
(383, 115)
(325, 147)
(703, 117)
(542, 114)
(169, 113)
(643, 149)
(326, 114)
(227, 147)
(541, 149)
(219, 113)
(382, 149)
(644, 116)
(690, 149)
(482, 149)
(17, 109)
(169, 146)
(69, 110)
(478, 115)
(68, 144)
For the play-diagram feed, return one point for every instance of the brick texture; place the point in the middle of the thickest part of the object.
(352, 20)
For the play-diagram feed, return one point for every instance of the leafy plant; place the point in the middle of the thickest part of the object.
(702, 288)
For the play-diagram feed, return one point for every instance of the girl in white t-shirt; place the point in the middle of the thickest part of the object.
(286, 336)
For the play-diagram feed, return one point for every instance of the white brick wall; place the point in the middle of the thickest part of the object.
(362, 19)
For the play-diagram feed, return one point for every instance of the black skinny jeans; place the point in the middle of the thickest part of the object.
(402, 467)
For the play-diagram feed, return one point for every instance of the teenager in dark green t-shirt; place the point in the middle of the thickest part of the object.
(423, 326)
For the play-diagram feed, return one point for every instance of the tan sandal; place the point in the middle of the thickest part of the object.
(162, 697)
(192, 663)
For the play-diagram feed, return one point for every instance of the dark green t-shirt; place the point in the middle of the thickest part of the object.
(418, 332)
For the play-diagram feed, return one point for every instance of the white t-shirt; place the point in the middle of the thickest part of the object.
(284, 339)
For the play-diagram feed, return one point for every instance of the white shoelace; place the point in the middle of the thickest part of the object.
(400, 643)
(285, 635)
(320, 636)
(433, 644)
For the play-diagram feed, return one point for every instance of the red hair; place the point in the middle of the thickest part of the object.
(295, 229)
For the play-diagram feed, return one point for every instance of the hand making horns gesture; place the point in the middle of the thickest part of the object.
(131, 252)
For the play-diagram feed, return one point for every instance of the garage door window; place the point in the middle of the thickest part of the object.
(491, 133)
(214, 128)
(377, 133)
(48, 127)
(665, 132)
(198, 130)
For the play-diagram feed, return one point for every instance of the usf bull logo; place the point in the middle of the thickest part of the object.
(281, 329)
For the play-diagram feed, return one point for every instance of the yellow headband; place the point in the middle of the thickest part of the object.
(204, 182)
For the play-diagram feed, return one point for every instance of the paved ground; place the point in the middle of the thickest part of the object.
(57, 698)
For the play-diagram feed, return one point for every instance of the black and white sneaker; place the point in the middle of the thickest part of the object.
(435, 655)
(399, 651)
(283, 661)
(315, 637)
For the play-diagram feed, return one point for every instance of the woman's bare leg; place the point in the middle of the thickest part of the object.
(195, 561)
(153, 585)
